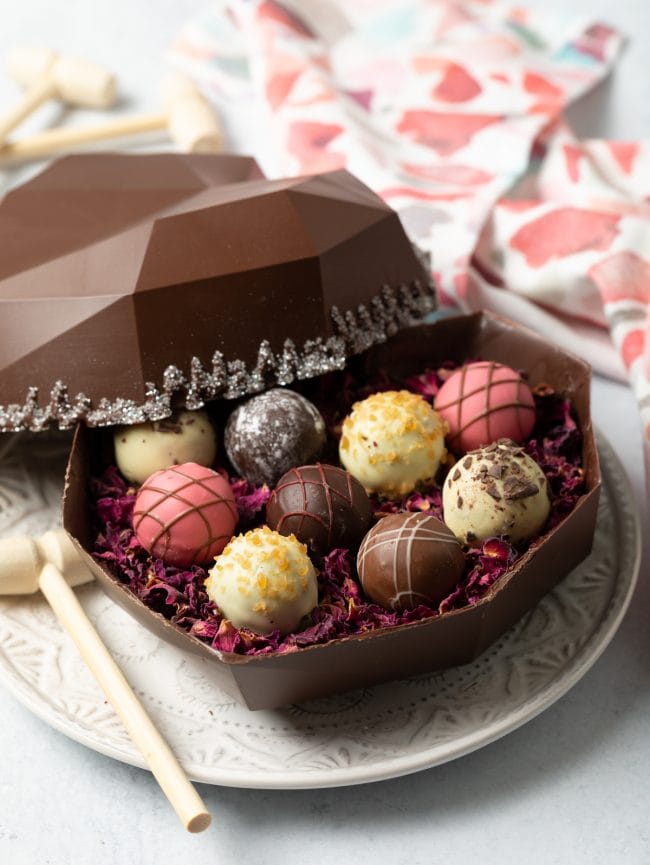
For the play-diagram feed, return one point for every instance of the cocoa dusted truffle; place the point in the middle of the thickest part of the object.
(264, 581)
(483, 402)
(496, 490)
(145, 448)
(391, 441)
(272, 432)
(409, 559)
(323, 506)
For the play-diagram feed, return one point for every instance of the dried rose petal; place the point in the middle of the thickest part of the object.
(250, 500)
(427, 383)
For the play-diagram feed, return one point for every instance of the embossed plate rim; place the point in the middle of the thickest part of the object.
(601, 632)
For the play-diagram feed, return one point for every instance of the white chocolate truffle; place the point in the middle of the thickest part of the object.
(145, 448)
(391, 441)
(493, 491)
(264, 580)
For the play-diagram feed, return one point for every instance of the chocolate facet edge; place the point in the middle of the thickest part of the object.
(122, 297)
(456, 637)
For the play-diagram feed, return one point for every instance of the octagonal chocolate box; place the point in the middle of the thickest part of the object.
(455, 637)
(239, 285)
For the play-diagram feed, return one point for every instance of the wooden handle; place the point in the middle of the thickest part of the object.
(166, 769)
(55, 140)
(39, 93)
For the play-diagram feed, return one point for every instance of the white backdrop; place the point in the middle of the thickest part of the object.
(571, 786)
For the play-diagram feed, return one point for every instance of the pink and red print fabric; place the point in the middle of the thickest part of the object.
(452, 111)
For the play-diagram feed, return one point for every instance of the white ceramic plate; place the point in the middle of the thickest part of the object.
(365, 735)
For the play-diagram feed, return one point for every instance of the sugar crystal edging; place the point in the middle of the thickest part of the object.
(354, 332)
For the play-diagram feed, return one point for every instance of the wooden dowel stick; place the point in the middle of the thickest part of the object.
(166, 769)
(32, 99)
(54, 140)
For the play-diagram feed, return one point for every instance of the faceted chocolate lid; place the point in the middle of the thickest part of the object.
(133, 284)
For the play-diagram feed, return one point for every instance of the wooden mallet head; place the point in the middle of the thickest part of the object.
(22, 560)
(47, 75)
(72, 79)
(190, 121)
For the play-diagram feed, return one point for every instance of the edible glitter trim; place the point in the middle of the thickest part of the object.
(354, 332)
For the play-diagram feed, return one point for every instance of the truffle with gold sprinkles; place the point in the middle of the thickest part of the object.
(263, 581)
(391, 441)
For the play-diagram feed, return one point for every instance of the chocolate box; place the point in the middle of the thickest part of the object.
(457, 637)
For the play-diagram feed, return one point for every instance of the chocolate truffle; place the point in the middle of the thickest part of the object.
(272, 432)
(409, 559)
(323, 506)
(185, 514)
(496, 491)
(391, 441)
(145, 448)
(484, 402)
(263, 581)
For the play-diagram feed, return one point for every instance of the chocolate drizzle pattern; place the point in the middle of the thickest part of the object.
(415, 565)
(322, 505)
(490, 407)
(355, 330)
(190, 508)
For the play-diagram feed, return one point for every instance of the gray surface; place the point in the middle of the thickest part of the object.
(571, 786)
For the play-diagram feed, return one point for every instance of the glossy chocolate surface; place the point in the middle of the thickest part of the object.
(409, 559)
(123, 279)
(322, 505)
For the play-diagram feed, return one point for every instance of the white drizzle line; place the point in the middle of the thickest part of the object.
(409, 548)
(394, 601)
(382, 541)
(393, 536)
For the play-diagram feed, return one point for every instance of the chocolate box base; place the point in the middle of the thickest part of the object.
(271, 681)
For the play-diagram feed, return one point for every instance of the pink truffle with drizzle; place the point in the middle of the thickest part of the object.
(483, 402)
(185, 514)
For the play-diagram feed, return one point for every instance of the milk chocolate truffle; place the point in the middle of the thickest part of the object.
(323, 506)
(185, 514)
(496, 490)
(145, 448)
(263, 581)
(391, 441)
(272, 432)
(409, 559)
(484, 402)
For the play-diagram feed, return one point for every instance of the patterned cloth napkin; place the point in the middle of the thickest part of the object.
(452, 111)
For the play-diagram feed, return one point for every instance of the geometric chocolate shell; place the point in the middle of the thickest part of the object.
(126, 281)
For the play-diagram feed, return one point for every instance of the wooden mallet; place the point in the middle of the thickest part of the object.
(27, 565)
(48, 75)
(187, 117)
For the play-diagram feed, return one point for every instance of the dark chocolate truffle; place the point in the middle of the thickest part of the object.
(272, 432)
(409, 559)
(323, 506)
